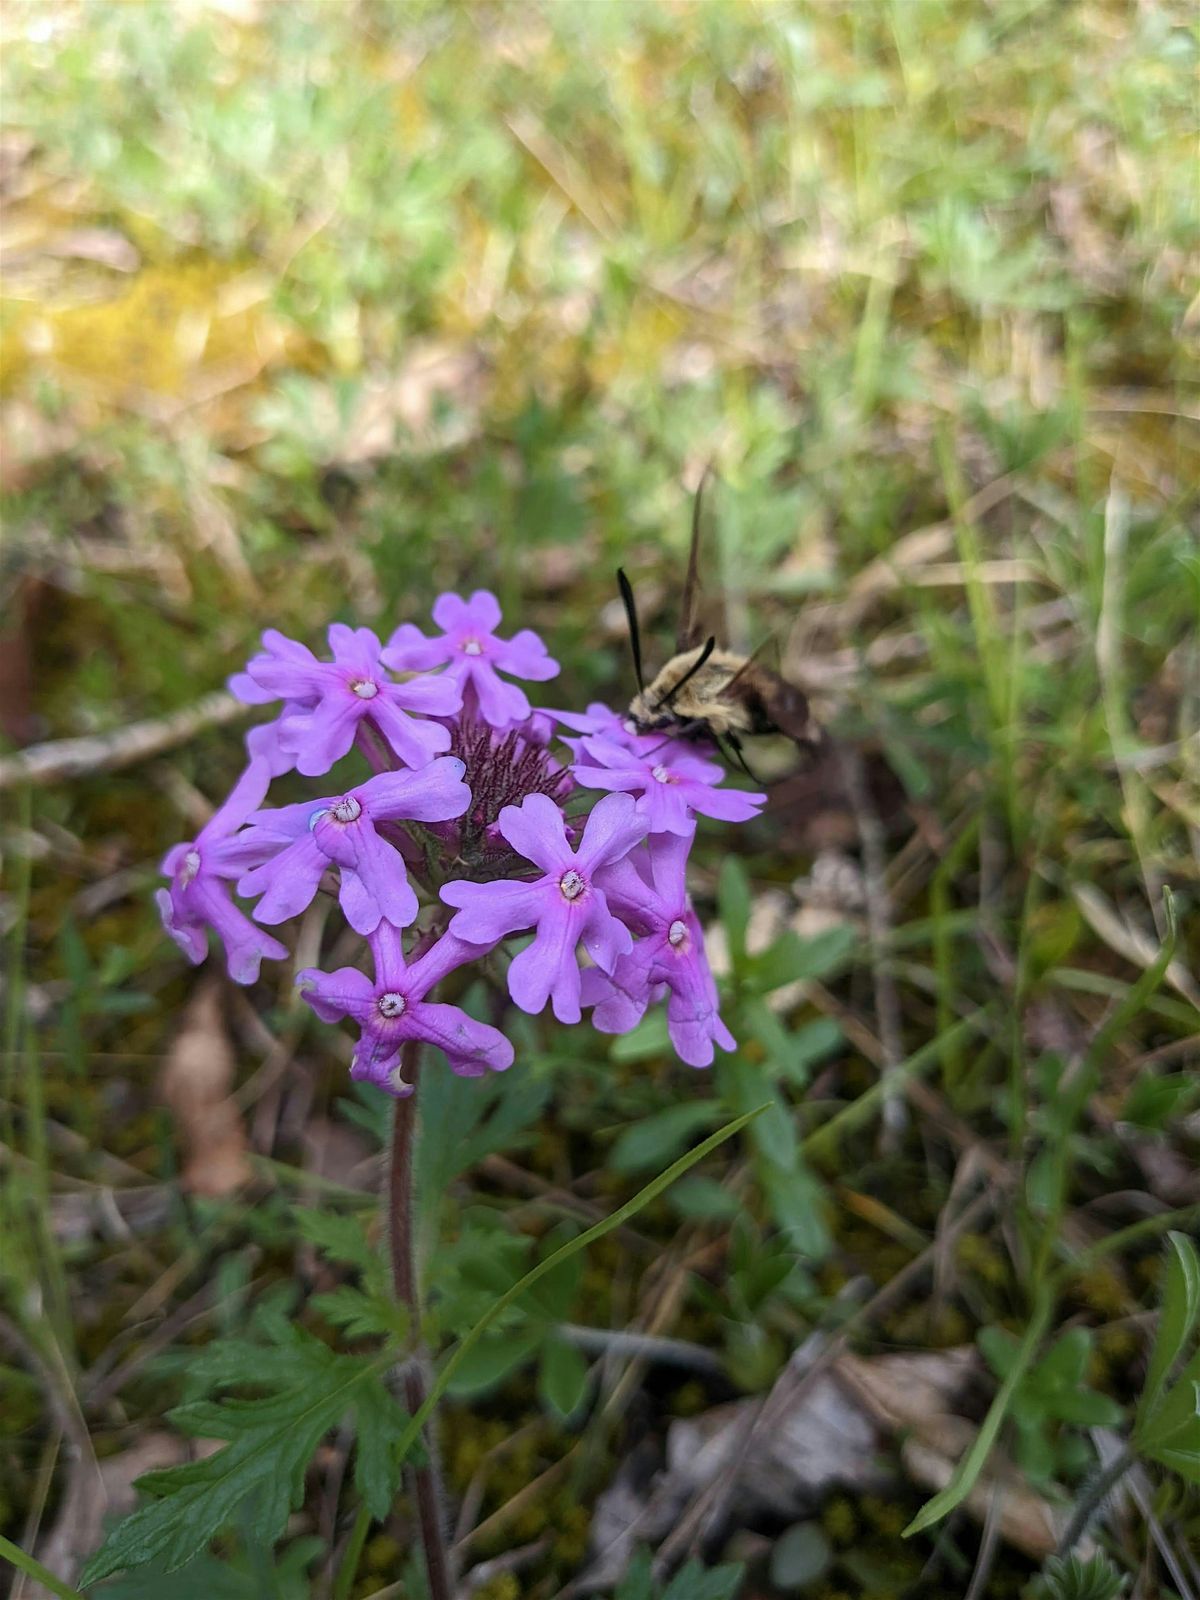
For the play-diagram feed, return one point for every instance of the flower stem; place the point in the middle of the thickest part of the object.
(425, 1478)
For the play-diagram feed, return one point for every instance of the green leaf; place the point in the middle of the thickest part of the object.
(554, 1296)
(1086, 1408)
(774, 1133)
(802, 1554)
(694, 1583)
(791, 958)
(1066, 1360)
(812, 1042)
(340, 1238)
(239, 1578)
(492, 1360)
(704, 1200)
(658, 1137)
(1070, 1578)
(598, 1230)
(998, 1348)
(649, 1039)
(1156, 1099)
(967, 1472)
(1041, 1182)
(1177, 1319)
(360, 1315)
(797, 1203)
(463, 1120)
(563, 1376)
(259, 1475)
(733, 900)
(638, 1582)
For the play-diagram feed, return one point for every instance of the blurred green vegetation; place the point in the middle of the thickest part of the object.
(311, 310)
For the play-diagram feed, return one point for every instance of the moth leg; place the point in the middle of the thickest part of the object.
(735, 744)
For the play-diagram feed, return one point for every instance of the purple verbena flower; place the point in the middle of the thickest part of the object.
(565, 904)
(648, 889)
(472, 655)
(392, 1009)
(329, 699)
(269, 742)
(199, 897)
(672, 784)
(305, 838)
(598, 721)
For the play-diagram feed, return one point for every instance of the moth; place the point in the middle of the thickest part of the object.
(707, 692)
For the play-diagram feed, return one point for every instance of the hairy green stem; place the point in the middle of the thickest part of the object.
(425, 1477)
(1094, 1495)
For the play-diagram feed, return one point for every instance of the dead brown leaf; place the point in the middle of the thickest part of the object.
(196, 1085)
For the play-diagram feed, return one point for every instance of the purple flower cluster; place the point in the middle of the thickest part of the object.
(460, 795)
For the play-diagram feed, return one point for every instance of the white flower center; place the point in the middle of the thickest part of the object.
(347, 809)
(572, 884)
(661, 774)
(472, 647)
(392, 1005)
(191, 866)
(677, 933)
(364, 688)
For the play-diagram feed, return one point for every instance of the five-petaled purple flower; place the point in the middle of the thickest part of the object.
(486, 828)
(648, 888)
(304, 839)
(472, 655)
(673, 785)
(199, 897)
(565, 904)
(329, 699)
(393, 1009)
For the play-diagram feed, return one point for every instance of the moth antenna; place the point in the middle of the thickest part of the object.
(635, 637)
(687, 619)
(691, 672)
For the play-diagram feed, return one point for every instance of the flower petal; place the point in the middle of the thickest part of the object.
(415, 742)
(449, 953)
(433, 793)
(287, 882)
(499, 703)
(611, 831)
(547, 969)
(470, 1047)
(330, 732)
(347, 992)
(360, 907)
(536, 830)
(525, 656)
(604, 938)
(490, 911)
(408, 650)
(432, 696)
(356, 648)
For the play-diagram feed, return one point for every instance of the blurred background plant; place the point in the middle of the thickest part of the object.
(312, 310)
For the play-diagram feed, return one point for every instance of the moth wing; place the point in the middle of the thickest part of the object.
(786, 706)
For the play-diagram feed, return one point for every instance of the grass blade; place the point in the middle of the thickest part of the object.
(34, 1569)
(622, 1214)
